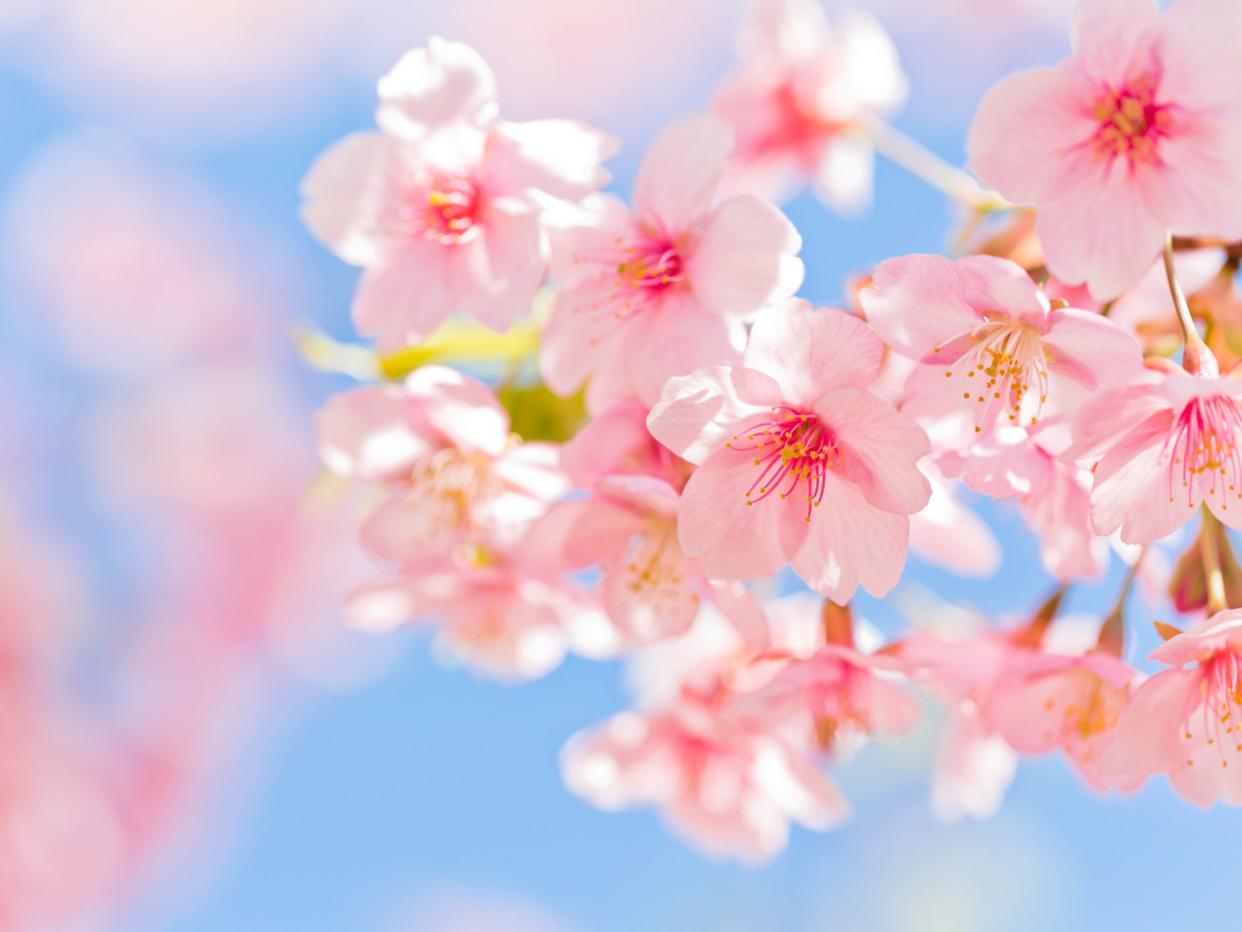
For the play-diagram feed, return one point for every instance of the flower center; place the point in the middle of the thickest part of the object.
(1131, 123)
(447, 208)
(655, 568)
(449, 487)
(1221, 691)
(636, 270)
(793, 449)
(1004, 365)
(1205, 446)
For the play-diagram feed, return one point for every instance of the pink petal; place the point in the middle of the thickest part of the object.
(744, 257)
(1200, 186)
(461, 408)
(347, 191)
(1136, 488)
(435, 86)
(674, 339)
(736, 540)
(919, 303)
(698, 413)
(1146, 739)
(562, 158)
(576, 343)
(613, 442)
(373, 433)
(1099, 229)
(407, 293)
(809, 352)
(681, 171)
(883, 443)
(1090, 349)
(1111, 38)
(496, 284)
(649, 588)
(851, 543)
(1025, 125)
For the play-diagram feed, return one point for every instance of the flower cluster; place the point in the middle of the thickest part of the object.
(661, 439)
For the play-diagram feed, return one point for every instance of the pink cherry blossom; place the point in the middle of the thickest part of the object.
(728, 786)
(665, 289)
(648, 586)
(616, 442)
(796, 460)
(974, 768)
(443, 207)
(1042, 701)
(947, 533)
(1138, 133)
(438, 446)
(503, 622)
(1184, 721)
(990, 343)
(1164, 446)
(800, 99)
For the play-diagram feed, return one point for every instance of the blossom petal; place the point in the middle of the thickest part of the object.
(681, 171)
(697, 413)
(745, 257)
(809, 352)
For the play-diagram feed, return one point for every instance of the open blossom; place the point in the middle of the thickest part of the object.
(1185, 721)
(665, 289)
(990, 344)
(438, 445)
(1165, 446)
(1042, 701)
(648, 586)
(1138, 133)
(502, 621)
(797, 461)
(443, 207)
(729, 785)
(801, 96)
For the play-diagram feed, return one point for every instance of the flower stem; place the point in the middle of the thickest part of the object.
(1209, 550)
(838, 623)
(1197, 359)
(924, 164)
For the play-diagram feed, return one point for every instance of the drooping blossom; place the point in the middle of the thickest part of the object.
(800, 99)
(1185, 721)
(1138, 133)
(498, 618)
(1165, 446)
(443, 207)
(797, 461)
(648, 586)
(665, 289)
(992, 347)
(728, 786)
(1054, 492)
(438, 446)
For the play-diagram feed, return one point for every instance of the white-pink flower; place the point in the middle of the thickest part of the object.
(1165, 446)
(438, 448)
(1187, 721)
(1138, 133)
(797, 461)
(665, 289)
(990, 344)
(800, 98)
(443, 207)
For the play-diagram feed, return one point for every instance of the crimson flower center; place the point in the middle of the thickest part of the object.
(1131, 122)
(1205, 445)
(447, 208)
(792, 449)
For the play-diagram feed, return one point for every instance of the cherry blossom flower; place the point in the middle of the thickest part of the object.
(990, 342)
(648, 586)
(442, 208)
(666, 289)
(1165, 446)
(1042, 701)
(791, 430)
(439, 446)
(801, 97)
(949, 534)
(729, 786)
(1138, 133)
(1184, 721)
(501, 620)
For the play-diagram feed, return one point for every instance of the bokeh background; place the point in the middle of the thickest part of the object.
(189, 739)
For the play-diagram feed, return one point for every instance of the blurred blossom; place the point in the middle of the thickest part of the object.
(478, 910)
(189, 66)
(132, 269)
